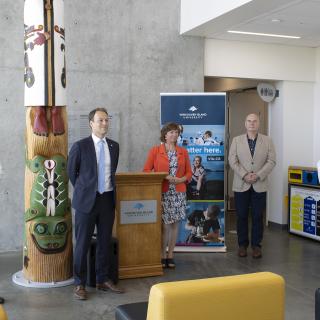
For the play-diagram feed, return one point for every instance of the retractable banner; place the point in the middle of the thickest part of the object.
(202, 120)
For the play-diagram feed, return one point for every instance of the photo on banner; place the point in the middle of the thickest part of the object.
(201, 117)
(207, 162)
(203, 226)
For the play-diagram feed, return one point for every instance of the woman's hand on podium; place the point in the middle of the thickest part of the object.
(175, 180)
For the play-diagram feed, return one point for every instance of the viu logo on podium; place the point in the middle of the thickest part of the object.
(138, 206)
(141, 211)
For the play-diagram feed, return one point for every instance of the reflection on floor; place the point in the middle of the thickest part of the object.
(296, 259)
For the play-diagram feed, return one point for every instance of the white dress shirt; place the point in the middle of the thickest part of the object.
(96, 140)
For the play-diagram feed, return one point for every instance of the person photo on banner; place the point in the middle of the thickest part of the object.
(204, 225)
(169, 157)
(195, 189)
(181, 141)
(208, 140)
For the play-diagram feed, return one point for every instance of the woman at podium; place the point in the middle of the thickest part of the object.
(168, 157)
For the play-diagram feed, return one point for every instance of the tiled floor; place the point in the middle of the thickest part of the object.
(296, 259)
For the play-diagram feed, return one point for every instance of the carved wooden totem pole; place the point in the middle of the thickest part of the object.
(47, 251)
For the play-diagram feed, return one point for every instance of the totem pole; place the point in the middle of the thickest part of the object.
(47, 248)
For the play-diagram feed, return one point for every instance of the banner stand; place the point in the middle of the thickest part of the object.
(201, 117)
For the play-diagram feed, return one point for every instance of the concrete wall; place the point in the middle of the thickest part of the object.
(12, 124)
(120, 54)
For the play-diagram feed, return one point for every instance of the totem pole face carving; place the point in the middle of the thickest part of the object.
(45, 65)
(50, 234)
(49, 196)
(44, 45)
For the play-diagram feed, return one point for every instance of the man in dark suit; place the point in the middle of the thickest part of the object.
(92, 165)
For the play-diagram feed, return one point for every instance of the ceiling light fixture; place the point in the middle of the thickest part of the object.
(264, 34)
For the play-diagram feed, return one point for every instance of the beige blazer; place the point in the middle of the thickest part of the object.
(241, 161)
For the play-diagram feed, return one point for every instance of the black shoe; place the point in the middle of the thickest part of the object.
(164, 263)
(171, 264)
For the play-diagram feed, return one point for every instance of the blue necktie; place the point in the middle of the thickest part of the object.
(101, 168)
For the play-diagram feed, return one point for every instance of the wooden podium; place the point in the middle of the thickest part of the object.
(138, 223)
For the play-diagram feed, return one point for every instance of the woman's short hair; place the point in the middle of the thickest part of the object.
(166, 128)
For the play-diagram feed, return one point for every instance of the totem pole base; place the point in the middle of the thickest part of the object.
(19, 279)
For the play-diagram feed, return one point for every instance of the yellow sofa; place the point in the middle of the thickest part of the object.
(3, 315)
(255, 296)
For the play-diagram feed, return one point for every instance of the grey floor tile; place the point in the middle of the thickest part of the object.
(295, 258)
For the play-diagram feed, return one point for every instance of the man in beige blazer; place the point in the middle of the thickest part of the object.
(252, 157)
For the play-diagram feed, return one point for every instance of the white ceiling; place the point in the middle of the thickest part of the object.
(296, 18)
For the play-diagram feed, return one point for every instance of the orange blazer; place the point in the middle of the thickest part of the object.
(158, 161)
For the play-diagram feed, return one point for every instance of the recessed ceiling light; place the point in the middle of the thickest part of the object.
(276, 20)
(264, 34)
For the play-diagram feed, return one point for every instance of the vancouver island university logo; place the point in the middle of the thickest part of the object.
(138, 206)
(194, 114)
(143, 211)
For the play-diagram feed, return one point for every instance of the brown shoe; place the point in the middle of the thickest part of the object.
(256, 252)
(80, 293)
(108, 285)
(242, 252)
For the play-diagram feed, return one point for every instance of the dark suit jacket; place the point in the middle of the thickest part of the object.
(83, 172)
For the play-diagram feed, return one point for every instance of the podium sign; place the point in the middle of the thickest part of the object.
(141, 211)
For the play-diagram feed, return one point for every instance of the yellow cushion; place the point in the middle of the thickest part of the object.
(3, 315)
(255, 296)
